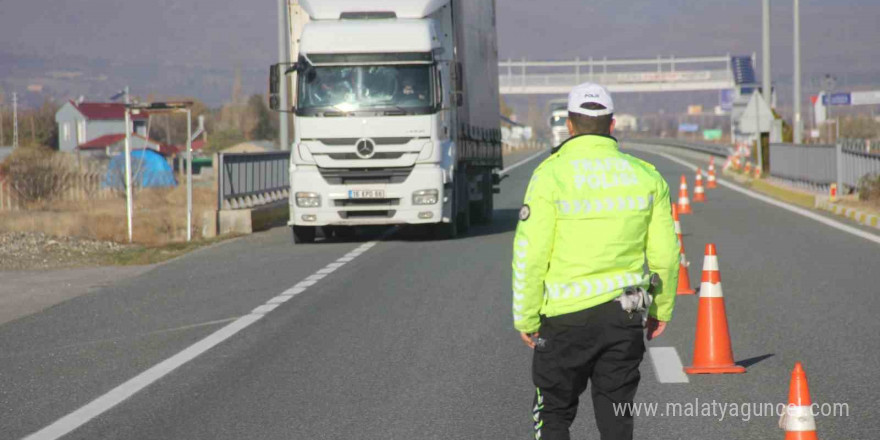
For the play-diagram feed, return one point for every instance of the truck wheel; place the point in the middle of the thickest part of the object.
(303, 234)
(483, 211)
(445, 231)
(464, 208)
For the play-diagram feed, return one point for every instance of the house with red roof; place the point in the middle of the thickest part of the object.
(80, 123)
(112, 144)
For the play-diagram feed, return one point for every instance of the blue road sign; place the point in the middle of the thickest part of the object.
(685, 127)
(837, 99)
(726, 99)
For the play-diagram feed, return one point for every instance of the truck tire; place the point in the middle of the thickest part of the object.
(445, 231)
(463, 204)
(482, 212)
(303, 234)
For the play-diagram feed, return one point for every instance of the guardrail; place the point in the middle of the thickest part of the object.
(856, 163)
(719, 150)
(247, 180)
(812, 166)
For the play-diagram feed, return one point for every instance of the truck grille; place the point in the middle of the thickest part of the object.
(339, 142)
(344, 176)
(353, 156)
(367, 214)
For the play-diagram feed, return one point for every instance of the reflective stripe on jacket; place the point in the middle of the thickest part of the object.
(591, 217)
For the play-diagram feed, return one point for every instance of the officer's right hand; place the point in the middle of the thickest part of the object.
(527, 338)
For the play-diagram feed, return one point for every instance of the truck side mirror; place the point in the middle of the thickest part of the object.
(275, 77)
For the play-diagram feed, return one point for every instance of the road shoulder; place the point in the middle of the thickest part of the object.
(25, 292)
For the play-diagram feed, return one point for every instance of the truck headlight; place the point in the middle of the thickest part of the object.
(425, 197)
(308, 200)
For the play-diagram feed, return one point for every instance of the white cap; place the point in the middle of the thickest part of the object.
(587, 93)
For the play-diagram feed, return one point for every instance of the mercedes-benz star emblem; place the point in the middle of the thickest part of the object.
(365, 148)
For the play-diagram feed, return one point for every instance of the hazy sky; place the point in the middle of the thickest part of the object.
(839, 36)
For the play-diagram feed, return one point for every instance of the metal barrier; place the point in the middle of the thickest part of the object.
(855, 164)
(247, 180)
(720, 150)
(814, 164)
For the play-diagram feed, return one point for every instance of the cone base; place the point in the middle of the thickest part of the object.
(710, 186)
(686, 292)
(685, 211)
(801, 435)
(721, 369)
(696, 200)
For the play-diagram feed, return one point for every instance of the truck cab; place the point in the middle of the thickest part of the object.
(382, 133)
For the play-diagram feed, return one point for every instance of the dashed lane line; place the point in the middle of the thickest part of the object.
(667, 365)
(102, 404)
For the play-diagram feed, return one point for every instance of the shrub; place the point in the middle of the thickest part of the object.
(36, 174)
(869, 188)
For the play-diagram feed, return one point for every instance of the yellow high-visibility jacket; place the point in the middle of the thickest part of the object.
(591, 217)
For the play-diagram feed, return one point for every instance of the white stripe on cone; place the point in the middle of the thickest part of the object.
(710, 290)
(710, 262)
(797, 419)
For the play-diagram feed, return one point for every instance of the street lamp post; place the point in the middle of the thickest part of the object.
(798, 121)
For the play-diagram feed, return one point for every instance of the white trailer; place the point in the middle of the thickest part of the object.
(396, 114)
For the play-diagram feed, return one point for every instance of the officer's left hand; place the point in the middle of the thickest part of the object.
(655, 327)
(527, 338)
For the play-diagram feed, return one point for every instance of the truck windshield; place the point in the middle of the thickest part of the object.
(558, 121)
(356, 90)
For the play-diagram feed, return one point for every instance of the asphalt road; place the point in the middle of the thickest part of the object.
(412, 339)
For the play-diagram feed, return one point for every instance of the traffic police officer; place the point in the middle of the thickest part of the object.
(592, 216)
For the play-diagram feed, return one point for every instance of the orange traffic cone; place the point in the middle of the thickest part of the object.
(710, 183)
(684, 280)
(757, 172)
(797, 420)
(699, 192)
(684, 202)
(712, 351)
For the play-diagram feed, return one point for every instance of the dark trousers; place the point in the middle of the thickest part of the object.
(603, 345)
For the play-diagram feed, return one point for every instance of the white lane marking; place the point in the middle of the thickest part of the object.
(795, 209)
(74, 420)
(667, 365)
(102, 404)
(522, 162)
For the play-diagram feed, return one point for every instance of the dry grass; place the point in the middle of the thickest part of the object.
(159, 217)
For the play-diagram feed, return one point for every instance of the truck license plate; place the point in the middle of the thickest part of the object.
(366, 194)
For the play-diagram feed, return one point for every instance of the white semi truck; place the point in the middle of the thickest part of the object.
(396, 114)
(558, 118)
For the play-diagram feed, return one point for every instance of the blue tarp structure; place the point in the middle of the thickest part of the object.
(148, 170)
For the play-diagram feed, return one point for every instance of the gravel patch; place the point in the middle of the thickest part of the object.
(29, 250)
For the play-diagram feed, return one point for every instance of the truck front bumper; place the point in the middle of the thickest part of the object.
(339, 209)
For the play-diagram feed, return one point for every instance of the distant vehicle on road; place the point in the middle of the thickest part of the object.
(396, 115)
(558, 118)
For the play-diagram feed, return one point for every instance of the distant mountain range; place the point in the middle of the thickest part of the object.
(37, 78)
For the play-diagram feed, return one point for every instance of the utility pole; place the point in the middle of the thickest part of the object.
(189, 174)
(14, 120)
(128, 204)
(765, 65)
(283, 57)
(798, 121)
